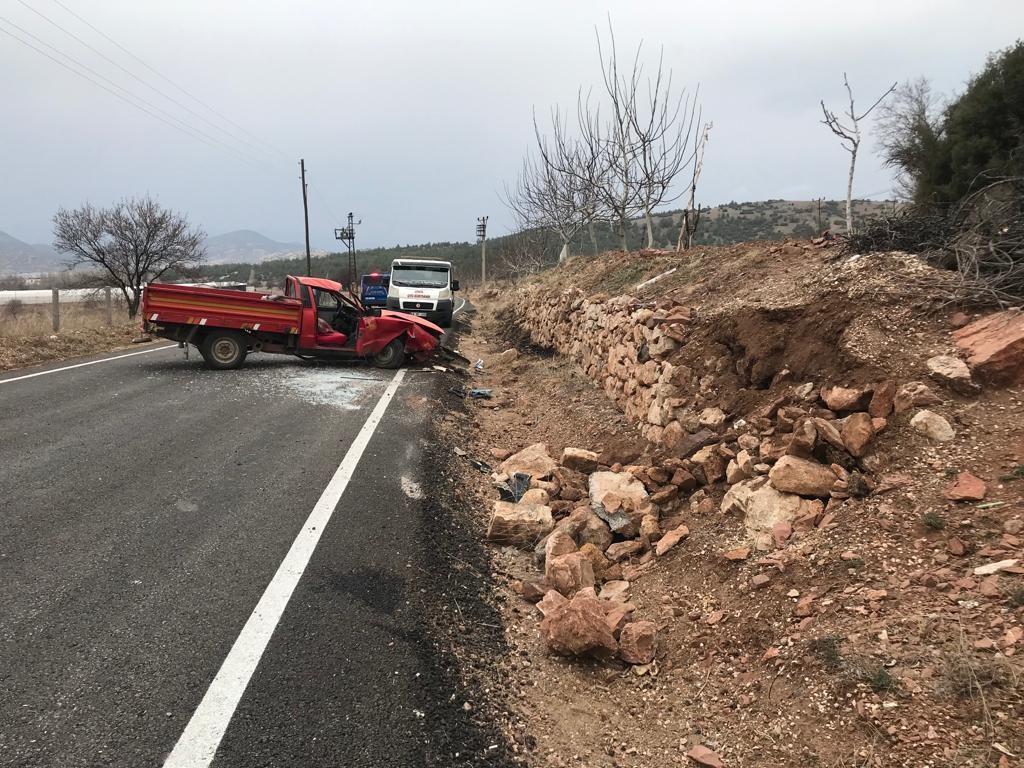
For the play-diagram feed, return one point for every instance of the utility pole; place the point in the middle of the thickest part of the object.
(347, 235)
(481, 237)
(305, 213)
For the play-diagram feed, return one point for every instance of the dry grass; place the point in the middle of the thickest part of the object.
(34, 320)
(27, 336)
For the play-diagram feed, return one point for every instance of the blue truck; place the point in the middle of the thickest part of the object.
(373, 289)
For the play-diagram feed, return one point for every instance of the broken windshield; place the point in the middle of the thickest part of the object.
(420, 277)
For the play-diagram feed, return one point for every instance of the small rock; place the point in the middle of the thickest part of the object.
(638, 642)
(990, 568)
(804, 477)
(857, 432)
(569, 573)
(845, 398)
(623, 550)
(966, 487)
(701, 755)
(735, 555)
(535, 497)
(953, 372)
(534, 460)
(520, 525)
(760, 581)
(882, 399)
(913, 394)
(578, 628)
(932, 426)
(649, 528)
(617, 590)
(712, 418)
(579, 459)
(670, 539)
(551, 600)
(956, 546)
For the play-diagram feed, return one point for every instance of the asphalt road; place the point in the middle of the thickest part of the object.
(146, 506)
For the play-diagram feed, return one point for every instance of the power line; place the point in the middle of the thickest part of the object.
(170, 81)
(134, 76)
(170, 119)
(105, 88)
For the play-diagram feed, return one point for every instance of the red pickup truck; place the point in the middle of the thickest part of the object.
(315, 318)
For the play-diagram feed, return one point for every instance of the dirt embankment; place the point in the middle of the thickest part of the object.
(877, 622)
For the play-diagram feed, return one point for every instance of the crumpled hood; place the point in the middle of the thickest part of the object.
(420, 321)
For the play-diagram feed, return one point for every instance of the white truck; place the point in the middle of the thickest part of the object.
(424, 288)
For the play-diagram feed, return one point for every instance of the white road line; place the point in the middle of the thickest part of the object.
(460, 307)
(82, 365)
(201, 737)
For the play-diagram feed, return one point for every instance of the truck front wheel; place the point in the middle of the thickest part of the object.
(392, 356)
(223, 350)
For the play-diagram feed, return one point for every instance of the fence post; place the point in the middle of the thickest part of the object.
(110, 305)
(56, 310)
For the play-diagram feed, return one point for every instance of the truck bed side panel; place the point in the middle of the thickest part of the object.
(215, 308)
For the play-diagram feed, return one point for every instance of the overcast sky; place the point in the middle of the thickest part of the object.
(413, 114)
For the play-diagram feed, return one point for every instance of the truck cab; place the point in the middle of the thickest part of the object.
(423, 287)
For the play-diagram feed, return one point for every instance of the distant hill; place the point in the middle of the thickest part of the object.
(741, 222)
(19, 256)
(245, 245)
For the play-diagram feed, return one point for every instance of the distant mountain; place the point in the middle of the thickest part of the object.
(19, 256)
(247, 246)
(241, 246)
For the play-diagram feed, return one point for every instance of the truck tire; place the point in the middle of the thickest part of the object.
(223, 350)
(392, 356)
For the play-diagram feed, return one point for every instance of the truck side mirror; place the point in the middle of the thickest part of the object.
(455, 285)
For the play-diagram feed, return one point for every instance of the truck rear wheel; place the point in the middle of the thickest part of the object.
(223, 350)
(392, 356)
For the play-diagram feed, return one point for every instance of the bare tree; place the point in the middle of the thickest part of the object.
(691, 217)
(526, 251)
(850, 137)
(132, 242)
(557, 188)
(647, 142)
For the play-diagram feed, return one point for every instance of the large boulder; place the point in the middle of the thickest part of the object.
(804, 477)
(616, 498)
(521, 525)
(534, 460)
(578, 627)
(762, 505)
(994, 346)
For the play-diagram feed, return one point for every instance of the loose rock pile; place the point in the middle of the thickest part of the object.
(595, 522)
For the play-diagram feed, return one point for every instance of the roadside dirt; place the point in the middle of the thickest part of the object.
(873, 643)
(23, 351)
